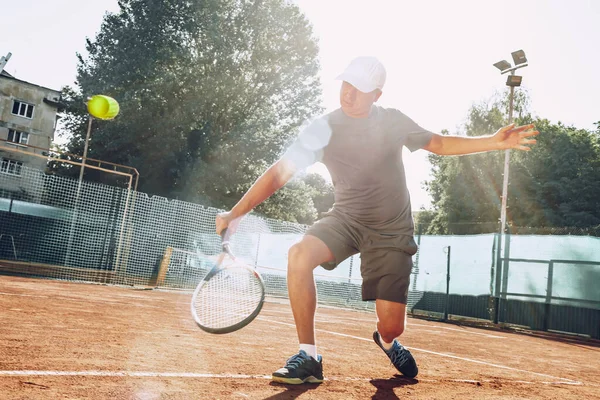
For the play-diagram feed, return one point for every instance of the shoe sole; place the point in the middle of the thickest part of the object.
(296, 381)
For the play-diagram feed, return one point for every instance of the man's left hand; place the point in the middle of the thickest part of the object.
(518, 138)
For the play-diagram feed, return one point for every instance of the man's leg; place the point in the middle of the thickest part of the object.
(391, 319)
(386, 278)
(303, 258)
(329, 241)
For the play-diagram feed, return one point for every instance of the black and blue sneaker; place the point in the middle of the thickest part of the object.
(399, 356)
(300, 368)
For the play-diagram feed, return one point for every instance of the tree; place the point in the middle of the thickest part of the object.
(321, 192)
(553, 185)
(557, 185)
(464, 189)
(73, 119)
(210, 92)
(302, 200)
(292, 203)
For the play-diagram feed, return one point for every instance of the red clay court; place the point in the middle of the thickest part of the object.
(64, 340)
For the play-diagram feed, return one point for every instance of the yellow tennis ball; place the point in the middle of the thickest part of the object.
(103, 107)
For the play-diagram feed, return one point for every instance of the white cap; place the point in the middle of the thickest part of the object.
(364, 73)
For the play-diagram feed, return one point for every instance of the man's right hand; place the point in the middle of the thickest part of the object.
(226, 220)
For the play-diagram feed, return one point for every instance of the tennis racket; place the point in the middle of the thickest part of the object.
(230, 296)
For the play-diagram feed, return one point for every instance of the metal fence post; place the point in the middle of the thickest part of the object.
(505, 265)
(349, 294)
(350, 269)
(447, 284)
(548, 305)
(501, 272)
(257, 251)
(415, 268)
(498, 279)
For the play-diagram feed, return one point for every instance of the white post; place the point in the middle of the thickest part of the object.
(85, 149)
(506, 167)
(79, 183)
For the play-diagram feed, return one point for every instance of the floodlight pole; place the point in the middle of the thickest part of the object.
(507, 152)
(502, 239)
(85, 148)
(506, 164)
(78, 195)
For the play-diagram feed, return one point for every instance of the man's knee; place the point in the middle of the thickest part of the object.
(296, 254)
(309, 253)
(390, 330)
(300, 258)
(391, 319)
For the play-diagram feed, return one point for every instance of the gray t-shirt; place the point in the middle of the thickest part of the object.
(364, 158)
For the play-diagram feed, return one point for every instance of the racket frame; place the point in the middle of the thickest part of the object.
(226, 251)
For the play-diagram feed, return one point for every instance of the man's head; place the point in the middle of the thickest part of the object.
(363, 80)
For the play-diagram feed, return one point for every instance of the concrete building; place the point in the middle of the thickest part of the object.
(28, 117)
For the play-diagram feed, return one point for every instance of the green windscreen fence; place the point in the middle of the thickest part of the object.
(545, 282)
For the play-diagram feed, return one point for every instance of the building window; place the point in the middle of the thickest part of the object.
(11, 167)
(18, 137)
(22, 109)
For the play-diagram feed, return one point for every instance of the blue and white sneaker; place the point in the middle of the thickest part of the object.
(399, 356)
(300, 368)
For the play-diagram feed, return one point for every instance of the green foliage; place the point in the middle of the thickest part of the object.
(554, 185)
(322, 192)
(558, 183)
(210, 92)
(292, 203)
(303, 200)
(74, 119)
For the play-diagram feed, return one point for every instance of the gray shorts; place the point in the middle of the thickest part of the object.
(386, 258)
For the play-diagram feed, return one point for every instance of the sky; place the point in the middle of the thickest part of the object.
(439, 54)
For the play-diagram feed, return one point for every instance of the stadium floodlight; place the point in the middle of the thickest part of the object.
(520, 61)
(519, 57)
(514, 80)
(502, 65)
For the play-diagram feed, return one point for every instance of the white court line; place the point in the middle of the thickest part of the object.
(458, 330)
(72, 297)
(410, 324)
(435, 332)
(440, 354)
(22, 295)
(150, 374)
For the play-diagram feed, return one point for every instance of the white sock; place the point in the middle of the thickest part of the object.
(310, 349)
(385, 345)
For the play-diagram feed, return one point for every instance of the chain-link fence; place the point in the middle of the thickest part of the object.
(54, 226)
(57, 227)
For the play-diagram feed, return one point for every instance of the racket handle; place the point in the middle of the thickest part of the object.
(225, 241)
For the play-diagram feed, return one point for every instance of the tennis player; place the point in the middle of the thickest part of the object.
(361, 146)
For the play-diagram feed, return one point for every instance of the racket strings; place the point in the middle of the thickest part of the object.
(228, 298)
